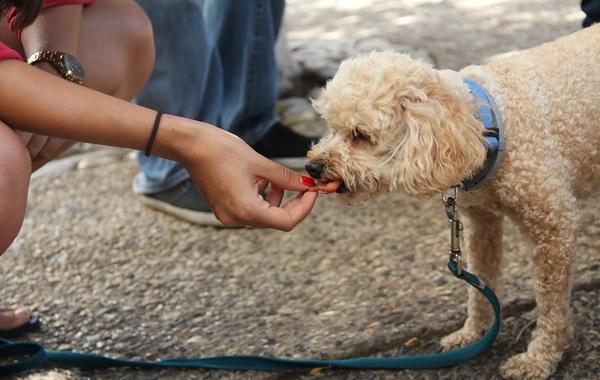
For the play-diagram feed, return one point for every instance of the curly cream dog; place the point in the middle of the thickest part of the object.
(397, 124)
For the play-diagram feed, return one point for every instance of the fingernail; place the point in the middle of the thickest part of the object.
(307, 181)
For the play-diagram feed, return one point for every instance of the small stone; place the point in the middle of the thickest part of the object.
(412, 342)
(196, 340)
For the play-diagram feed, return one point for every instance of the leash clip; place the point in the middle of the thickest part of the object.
(456, 227)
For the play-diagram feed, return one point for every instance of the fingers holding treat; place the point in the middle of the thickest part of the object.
(327, 187)
(275, 196)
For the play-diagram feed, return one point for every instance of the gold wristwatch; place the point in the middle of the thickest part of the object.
(66, 65)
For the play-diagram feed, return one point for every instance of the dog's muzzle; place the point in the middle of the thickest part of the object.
(315, 169)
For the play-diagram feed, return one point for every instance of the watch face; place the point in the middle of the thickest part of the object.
(73, 67)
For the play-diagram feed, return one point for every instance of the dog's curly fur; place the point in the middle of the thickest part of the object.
(397, 124)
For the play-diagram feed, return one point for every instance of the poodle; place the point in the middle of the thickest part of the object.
(397, 124)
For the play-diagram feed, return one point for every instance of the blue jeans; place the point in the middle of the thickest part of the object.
(215, 62)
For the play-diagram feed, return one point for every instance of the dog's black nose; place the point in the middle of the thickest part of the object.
(314, 169)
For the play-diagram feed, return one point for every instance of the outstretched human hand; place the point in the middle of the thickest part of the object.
(232, 177)
(230, 174)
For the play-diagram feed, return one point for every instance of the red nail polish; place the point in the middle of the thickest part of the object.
(307, 181)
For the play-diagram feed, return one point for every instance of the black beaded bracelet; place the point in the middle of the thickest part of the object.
(153, 135)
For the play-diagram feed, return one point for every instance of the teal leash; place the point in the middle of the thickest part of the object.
(36, 356)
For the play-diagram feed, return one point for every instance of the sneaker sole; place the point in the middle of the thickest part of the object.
(296, 163)
(196, 217)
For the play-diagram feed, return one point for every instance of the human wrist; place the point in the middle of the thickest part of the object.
(178, 139)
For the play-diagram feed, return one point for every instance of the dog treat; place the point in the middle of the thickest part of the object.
(327, 187)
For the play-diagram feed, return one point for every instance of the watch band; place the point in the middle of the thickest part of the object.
(56, 59)
(44, 56)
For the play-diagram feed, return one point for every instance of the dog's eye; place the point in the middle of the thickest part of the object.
(359, 136)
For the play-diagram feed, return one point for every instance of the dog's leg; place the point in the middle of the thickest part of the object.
(548, 213)
(484, 254)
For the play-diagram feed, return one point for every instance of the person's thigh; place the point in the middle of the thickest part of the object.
(15, 170)
(187, 77)
(187, 80)
(116, 46)
(245, 33)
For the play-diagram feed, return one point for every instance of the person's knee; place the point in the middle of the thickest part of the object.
(131, 46)
(15, 170)
(139, 37)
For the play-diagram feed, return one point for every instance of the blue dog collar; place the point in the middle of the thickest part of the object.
(489, 115)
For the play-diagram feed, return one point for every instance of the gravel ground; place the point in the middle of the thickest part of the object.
(110, 276)
(455, 33)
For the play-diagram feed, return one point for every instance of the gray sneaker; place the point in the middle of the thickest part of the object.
(183, 201)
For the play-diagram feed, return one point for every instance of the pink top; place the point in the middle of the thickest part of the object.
(6, 52)
(11, 15)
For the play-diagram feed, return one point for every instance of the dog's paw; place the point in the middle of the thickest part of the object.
(459, 338)
(526, 367)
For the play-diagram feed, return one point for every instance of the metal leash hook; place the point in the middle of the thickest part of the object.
(456, 227)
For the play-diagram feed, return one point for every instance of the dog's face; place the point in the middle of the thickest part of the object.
(394, 124)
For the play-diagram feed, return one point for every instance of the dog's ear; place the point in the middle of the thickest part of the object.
(441, 143)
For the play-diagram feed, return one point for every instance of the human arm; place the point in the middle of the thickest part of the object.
(55, 29)
(227, 171)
